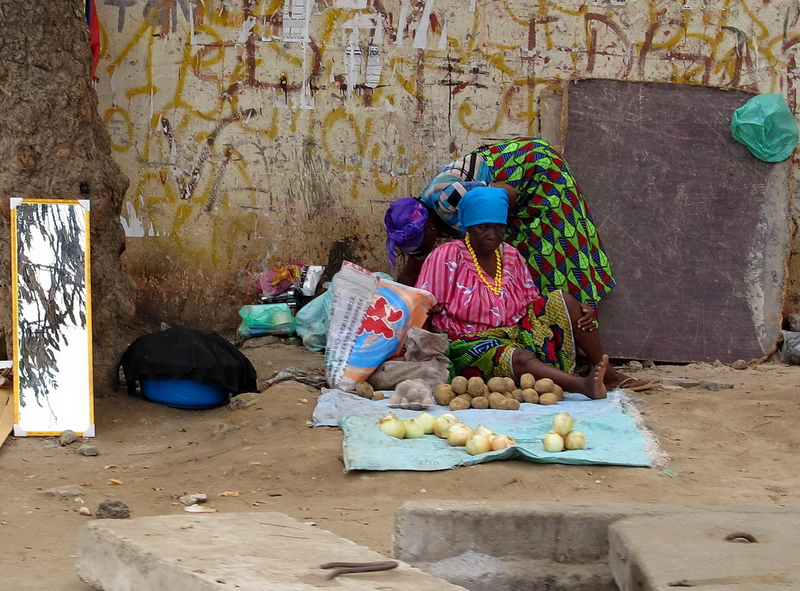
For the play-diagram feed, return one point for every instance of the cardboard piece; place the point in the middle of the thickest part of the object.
(696, 228)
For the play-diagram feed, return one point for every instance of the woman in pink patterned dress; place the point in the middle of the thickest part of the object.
(497, 321)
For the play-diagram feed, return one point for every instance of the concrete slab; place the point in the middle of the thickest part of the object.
(660, 553)
(503, 546)
(567, 533)
(244, 551)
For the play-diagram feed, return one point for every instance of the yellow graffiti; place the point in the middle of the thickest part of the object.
(128, 135)
(212, 119)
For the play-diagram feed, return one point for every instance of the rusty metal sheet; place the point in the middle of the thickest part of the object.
(696, 228)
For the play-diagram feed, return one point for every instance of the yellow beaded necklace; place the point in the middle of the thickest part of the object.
(497, 288)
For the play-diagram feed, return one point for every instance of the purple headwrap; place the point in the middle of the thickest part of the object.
(405, 226)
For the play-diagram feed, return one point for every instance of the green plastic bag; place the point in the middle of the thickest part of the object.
(259, 320)
(766, 126)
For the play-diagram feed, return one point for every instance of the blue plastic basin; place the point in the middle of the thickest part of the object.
(183, 393)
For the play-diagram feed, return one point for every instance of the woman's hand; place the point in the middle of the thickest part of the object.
(513, 206)
(587, 321)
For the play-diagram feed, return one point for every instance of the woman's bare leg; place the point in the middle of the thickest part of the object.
(592, 385)
(589, 343)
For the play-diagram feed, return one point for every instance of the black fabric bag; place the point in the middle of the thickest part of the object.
(185, 353)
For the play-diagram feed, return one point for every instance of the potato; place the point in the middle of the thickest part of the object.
(365, 390)
(443, 394)
(496, 399)
(530, 395)
(379, 395)
(548, 398)
(558, 391)
(395, 399)
(480, 402)
(511, 385)
(459, 384)
(475, 386)
(497, 385)
(544, 385)
(509, 404)
(516, 394)
(526, 381)
(415, 394)
(459, 404)
(466, 397)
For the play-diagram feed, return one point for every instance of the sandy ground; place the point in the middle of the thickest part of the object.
(735, 446)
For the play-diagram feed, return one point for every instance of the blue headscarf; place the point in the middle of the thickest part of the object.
(483, 205)
(405, 226)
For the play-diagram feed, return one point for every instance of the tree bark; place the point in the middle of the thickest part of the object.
(54, 145)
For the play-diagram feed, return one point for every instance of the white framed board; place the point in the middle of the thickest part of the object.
(51, 298)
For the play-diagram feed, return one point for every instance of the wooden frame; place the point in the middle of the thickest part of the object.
(51, 301)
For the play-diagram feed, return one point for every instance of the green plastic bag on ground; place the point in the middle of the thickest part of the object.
(259, 320)
(766, 126)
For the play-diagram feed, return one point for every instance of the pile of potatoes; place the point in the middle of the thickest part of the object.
(498, 393)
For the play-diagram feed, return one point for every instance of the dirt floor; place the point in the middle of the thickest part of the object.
(735, 446)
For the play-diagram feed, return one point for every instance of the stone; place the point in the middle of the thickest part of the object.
(794, 322)
(635, 365)
(681, 383)
(68, 437)
(236, 403)
(88, 450)
(112, 510)
(63, 493)
(739, 364)
(715, 386)
(193, 499)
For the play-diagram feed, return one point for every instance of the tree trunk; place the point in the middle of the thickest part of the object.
(54, 145)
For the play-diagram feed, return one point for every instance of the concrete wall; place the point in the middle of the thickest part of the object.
(258, 133)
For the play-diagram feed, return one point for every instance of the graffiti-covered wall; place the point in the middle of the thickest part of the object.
(258, 133)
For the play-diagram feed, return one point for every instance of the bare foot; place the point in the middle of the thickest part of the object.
(595, 386)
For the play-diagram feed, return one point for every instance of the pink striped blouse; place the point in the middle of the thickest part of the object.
(466, 304)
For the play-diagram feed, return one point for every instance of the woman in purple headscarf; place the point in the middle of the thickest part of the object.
(412, 228)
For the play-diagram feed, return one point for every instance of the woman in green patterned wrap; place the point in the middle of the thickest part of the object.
(550, 223)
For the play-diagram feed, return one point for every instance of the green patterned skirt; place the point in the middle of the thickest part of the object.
(545, 330)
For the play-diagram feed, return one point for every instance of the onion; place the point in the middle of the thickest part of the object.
(574, 440)
(426, 420)
(442, 424)
(562, 423)
(484, 430)
(478, 444)
(458, 434)
(414, 429)
(501, 442)
(553, 442)
(392, 425)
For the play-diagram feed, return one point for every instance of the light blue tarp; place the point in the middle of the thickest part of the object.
(615, 434)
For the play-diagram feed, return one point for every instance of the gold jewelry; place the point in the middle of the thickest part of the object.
(497, 288)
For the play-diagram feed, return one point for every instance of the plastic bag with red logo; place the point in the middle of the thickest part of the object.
(370, 316)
